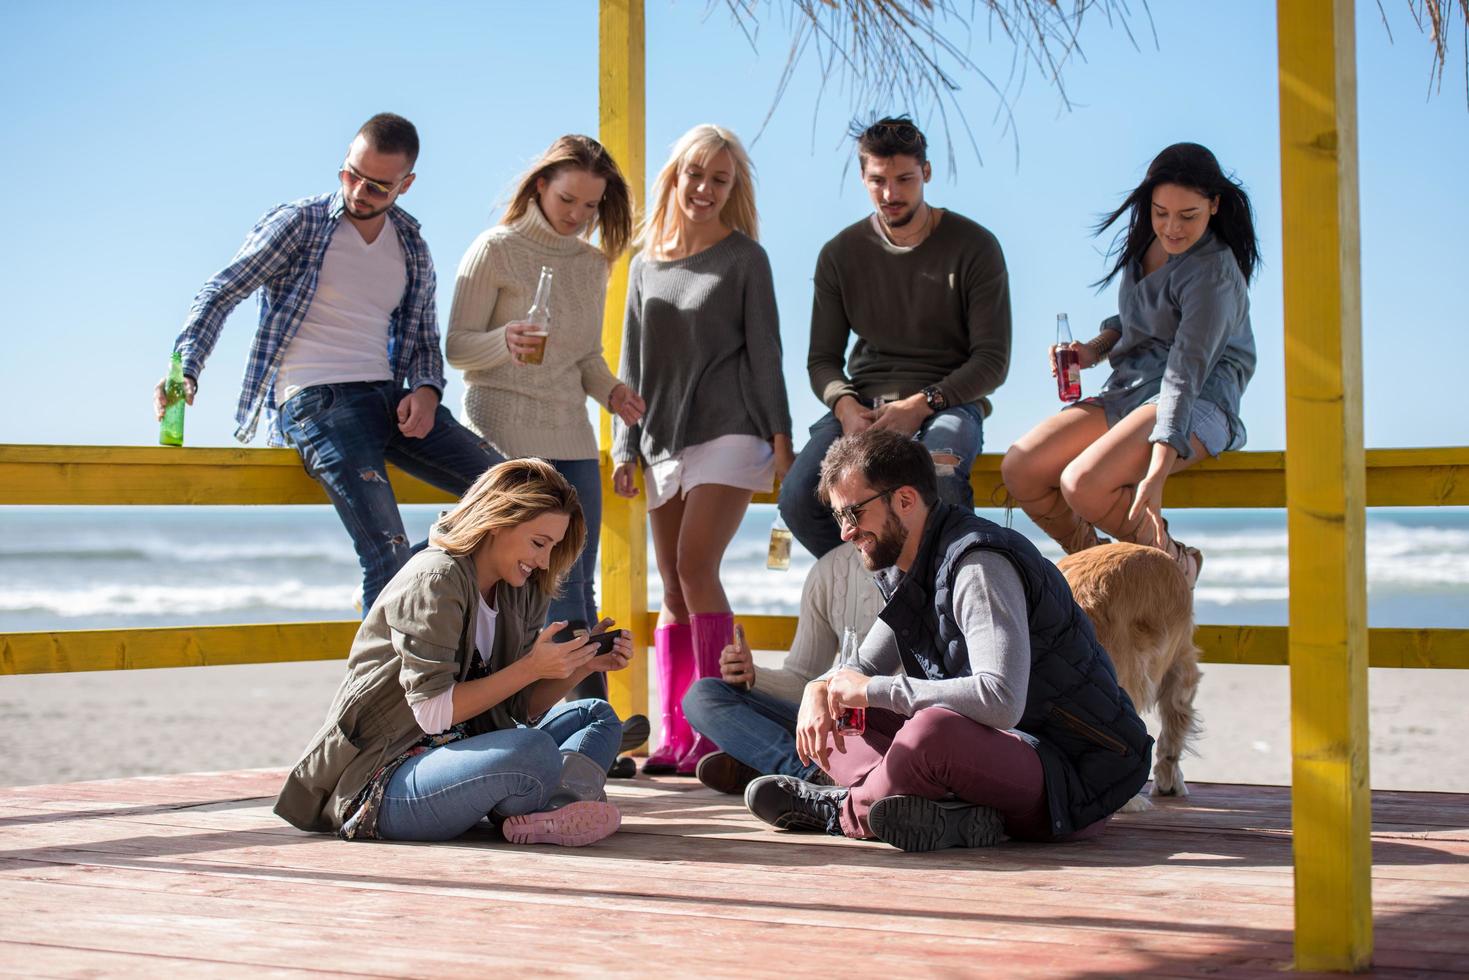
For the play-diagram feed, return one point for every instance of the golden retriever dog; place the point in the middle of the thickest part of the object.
(1143, 612)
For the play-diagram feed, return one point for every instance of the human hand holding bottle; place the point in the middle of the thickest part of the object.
(736, 662)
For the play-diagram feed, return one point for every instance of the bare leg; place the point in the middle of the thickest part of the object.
(1099, 484)
(666, 521)
(711, 516)
(1032, 470)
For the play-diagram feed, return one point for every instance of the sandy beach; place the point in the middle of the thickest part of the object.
(65, 727)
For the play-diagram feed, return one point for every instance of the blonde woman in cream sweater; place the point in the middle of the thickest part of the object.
(574, 191)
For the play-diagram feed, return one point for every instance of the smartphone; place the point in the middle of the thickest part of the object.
(604, 641)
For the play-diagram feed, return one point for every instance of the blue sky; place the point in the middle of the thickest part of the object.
(144, 139)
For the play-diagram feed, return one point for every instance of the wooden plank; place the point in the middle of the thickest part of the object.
(1422, 477)
(173, 646)
(62, 651)
(624, 558)
(1325, 484)
(147, 877)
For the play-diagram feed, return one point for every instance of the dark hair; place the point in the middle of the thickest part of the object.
(614, 212)
(884, 459)
(890, 136)
(1193, 166)
(390, 133)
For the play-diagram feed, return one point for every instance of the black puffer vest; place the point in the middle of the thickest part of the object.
(1094, 749)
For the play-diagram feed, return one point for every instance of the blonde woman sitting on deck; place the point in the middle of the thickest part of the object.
(1181, 351)
(702, 344)
(449, 712)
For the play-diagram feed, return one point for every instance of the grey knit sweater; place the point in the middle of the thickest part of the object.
(701, 344)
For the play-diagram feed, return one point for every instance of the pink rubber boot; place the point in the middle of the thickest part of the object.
(673, 656)
(712, 633)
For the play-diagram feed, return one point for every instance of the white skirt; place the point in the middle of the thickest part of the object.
(741, 461)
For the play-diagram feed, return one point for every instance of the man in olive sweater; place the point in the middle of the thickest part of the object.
(926, 292)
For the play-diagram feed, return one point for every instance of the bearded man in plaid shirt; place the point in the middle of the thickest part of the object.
(345, 364)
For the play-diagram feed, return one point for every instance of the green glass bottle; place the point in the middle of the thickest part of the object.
(171, 429)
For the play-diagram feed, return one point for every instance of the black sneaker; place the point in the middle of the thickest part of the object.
(723, 773)
(635, 732)
(623, 768)
(788, 803)
(913, 823)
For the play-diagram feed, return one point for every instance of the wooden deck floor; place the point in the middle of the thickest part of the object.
(161, 875)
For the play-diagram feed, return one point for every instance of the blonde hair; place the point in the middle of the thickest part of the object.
(510, 494)
(698, 146)
(614, 217)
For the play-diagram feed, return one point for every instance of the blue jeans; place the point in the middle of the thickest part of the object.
(955, 431)
(443, 792)
(578, 598)
(347, 434)
(755, 728)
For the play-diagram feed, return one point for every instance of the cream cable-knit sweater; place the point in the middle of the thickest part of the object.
(531, 409)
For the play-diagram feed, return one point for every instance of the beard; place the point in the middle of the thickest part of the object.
(368, 213)
(887, 545)
(901, 221)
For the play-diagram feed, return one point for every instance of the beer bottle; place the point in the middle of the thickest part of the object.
(171, 429)
(539, 315)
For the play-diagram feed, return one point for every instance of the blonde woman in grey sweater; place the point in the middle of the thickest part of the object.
(574, 191)
(701, 342)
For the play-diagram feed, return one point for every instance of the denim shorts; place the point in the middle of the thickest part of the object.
(1208, 422)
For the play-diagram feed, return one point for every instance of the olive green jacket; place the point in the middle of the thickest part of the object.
(417, 640)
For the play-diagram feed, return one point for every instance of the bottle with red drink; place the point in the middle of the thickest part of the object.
(853, 721)
(1068, 362)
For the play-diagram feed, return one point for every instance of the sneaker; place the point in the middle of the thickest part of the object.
(913, 823)
(788, 803)
(723, 773)
(623, 768)
(574, 825)
(635, 731)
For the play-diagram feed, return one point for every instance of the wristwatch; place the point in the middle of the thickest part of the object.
(935, 398)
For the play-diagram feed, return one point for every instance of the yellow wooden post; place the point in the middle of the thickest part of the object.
(1325, 485)
(624, 542)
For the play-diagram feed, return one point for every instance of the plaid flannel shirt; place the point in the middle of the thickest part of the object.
(282, 258)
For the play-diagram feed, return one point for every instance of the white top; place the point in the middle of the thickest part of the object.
(437, 713)
(344, 336)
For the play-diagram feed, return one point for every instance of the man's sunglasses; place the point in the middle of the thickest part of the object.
(905, 132)
(849, 515)
(374, 187)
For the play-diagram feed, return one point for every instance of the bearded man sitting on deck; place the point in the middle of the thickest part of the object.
(990, 706)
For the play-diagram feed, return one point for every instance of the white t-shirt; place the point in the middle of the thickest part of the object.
(344, 336)
(437, 713)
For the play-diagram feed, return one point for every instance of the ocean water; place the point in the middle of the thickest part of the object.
(108, 567)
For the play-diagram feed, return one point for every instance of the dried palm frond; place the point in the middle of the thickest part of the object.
(1436, 16)
(911, 55)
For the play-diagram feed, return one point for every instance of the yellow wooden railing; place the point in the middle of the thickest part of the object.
(94, 475)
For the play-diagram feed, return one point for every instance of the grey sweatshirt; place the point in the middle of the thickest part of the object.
(839, 593)
(935, 314)
(1185, 335)
(989, 604)
(701, 344)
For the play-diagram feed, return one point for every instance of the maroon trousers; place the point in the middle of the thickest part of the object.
(938, 752)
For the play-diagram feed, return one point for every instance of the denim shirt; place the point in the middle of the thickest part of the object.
(282, 257)
(1185, 335)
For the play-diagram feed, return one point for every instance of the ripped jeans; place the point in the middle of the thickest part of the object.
(957, 432)
(346, 434)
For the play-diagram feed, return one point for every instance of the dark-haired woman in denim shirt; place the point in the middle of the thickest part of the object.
(1181, 351)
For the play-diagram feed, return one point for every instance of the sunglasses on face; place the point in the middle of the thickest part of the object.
(374, 187)
(849, 515)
